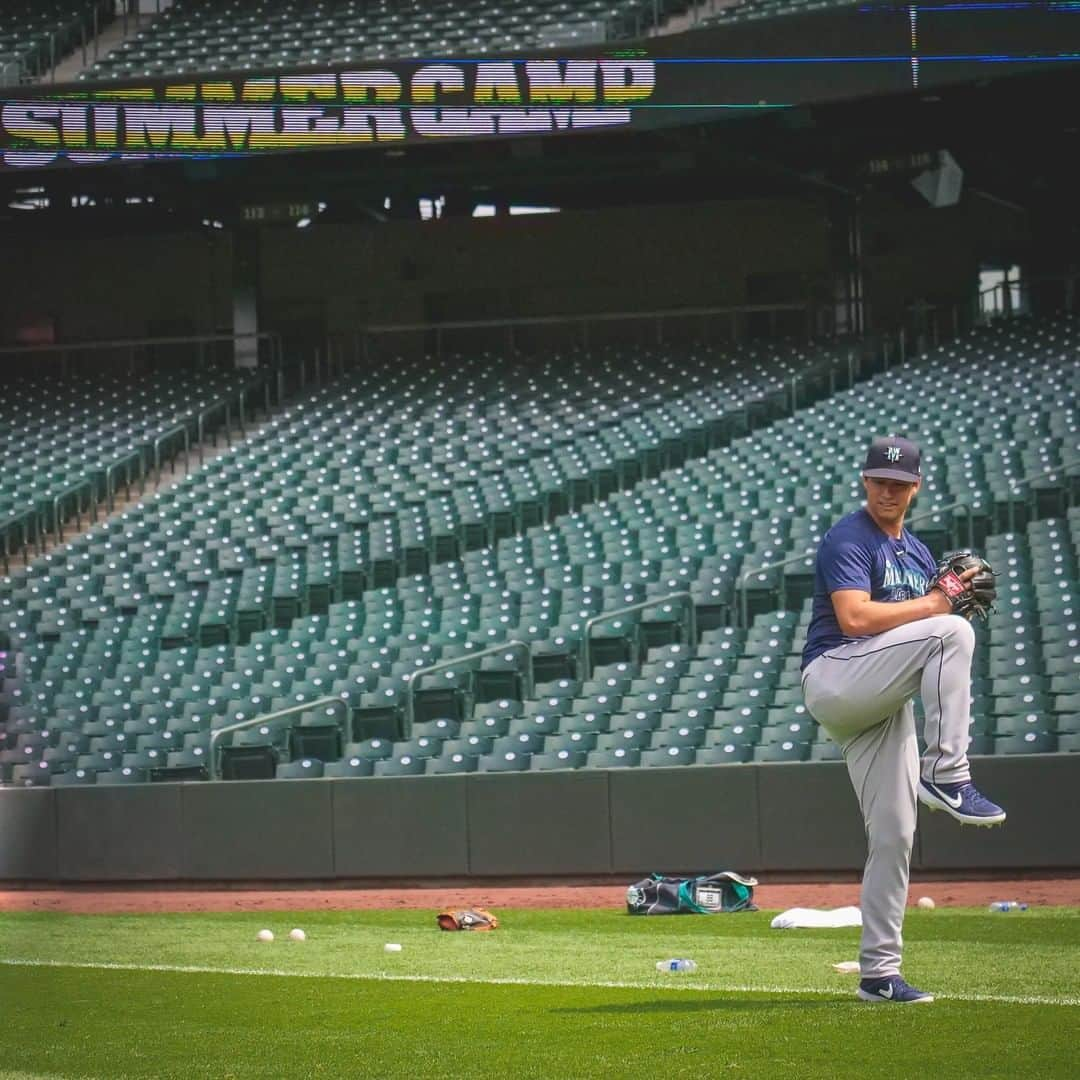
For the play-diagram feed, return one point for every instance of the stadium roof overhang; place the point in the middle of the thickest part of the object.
(736, 112)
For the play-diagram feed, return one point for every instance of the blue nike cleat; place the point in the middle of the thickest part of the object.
(892, 988)
(963, 801)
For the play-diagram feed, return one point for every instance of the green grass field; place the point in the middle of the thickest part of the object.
(572, 994)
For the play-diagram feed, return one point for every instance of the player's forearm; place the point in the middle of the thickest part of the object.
(873, 617)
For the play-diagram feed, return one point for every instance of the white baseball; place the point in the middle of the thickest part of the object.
(265, 935)
(298, 934)
(391, 946)
(926, 903)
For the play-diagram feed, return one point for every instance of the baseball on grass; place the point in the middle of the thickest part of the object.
(265, 935)
(298, 934)
(391, 946)
(926, 903)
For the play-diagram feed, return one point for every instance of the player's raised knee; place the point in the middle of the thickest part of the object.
(961, 631)
(954, 629)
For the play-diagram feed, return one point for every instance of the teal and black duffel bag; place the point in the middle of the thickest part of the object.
(707, 894)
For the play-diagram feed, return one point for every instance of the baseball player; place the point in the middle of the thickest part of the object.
(889, 623)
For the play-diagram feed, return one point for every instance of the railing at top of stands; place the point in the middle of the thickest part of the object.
(213, 768)
(684, 599)
(514, 645)
(731, 313)
(66, 348)
(240, 342)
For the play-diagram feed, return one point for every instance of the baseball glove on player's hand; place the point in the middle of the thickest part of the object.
(968, 598)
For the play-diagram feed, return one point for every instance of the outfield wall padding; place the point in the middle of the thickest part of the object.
(759, 818)
(27, 834)
(1041, 795)
(808, 817)
(539, 823)
(671, 820)
(129, 832)
(398, 826)
(257, 830)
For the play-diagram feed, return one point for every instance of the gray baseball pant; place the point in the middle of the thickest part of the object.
(861, 695)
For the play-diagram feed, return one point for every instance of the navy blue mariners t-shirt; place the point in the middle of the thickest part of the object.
(856, 554)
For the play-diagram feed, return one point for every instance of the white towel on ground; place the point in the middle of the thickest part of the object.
(812, 919)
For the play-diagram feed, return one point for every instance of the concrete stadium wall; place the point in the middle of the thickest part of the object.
(753, 818)
(339, 278)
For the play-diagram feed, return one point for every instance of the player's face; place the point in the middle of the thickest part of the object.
(888, 500)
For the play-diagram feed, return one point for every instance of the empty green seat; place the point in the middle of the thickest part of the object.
(668, 755)
(403, 765)
(618, 757)
(300, 769)
(353, 765)
(1028, 742)
(452, 763)
(506, 761)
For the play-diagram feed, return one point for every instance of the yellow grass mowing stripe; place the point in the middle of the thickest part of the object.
(190, 969)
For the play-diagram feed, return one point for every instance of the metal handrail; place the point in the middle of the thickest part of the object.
(445, 665)
(934, 511)
(130, 343)
(75, 489)
(826, 365)
(124, 463)
(1065, 465)
(584, 320)
(1026, 480)
(683, 598)
(204, 415)
(604, 316)
(178, 429)
(269, 718)
(21, 520)
(744, 577)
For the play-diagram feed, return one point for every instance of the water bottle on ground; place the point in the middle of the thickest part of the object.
(676, 964)
(1008, 905)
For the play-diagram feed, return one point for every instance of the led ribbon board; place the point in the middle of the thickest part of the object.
(341, 109)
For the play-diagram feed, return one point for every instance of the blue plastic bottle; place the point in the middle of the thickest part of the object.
(676, 964)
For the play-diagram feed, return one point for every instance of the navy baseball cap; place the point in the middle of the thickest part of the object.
(893, 458)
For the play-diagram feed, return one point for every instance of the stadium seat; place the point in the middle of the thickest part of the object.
(669, 755)
(452, 763)
(507, 761)
(349, 766)
(617, 758)
(559, 759)
(406, 765)
(300, 769)
(724, 754)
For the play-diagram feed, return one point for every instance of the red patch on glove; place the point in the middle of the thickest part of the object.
(951, 585)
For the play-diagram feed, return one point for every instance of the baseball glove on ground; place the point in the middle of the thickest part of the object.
(968, 598)
(475, 919)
